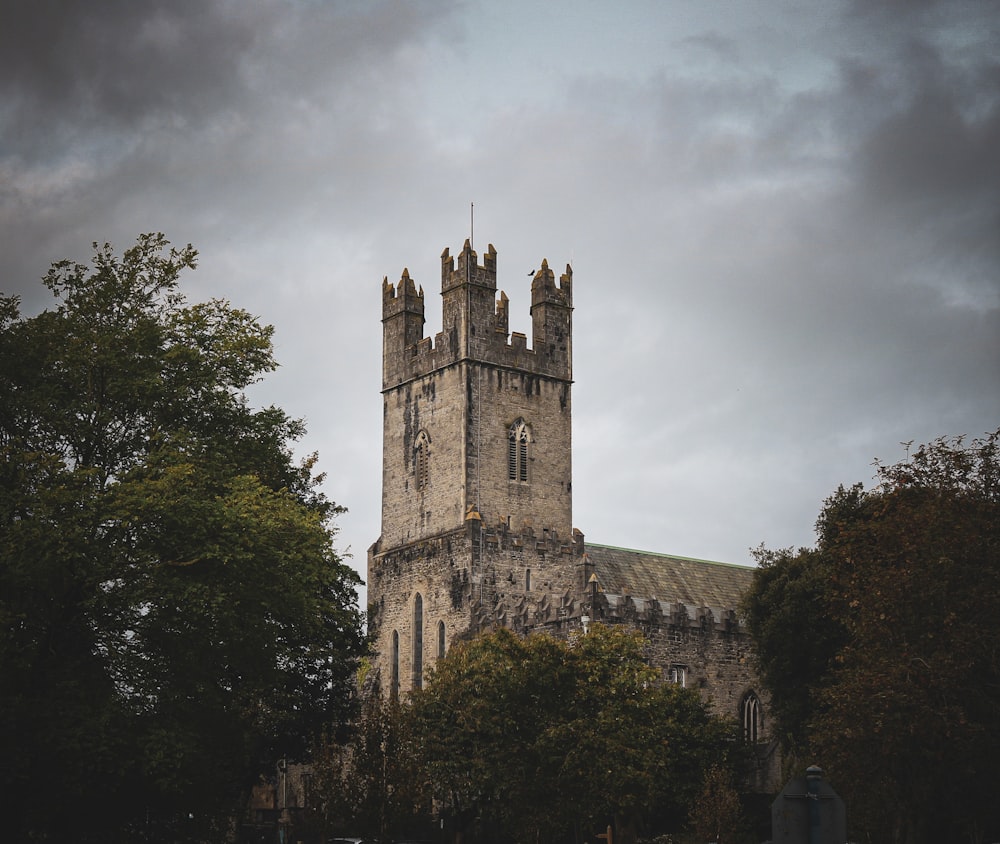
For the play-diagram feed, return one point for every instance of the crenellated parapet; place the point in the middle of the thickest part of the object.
(467, 270)
(476, 322)
(544, 290)
(551, 319)
(629, 609)
(403, 298)
(402, 321)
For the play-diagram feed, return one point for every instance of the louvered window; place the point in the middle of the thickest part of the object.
(518, 438)
(421, 456)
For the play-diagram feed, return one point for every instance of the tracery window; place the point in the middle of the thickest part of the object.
(421, 454)
(678, 675)
(751, 718)
(418, 642)
(518, 437)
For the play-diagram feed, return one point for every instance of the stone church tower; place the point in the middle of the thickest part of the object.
(476, 465)
(477, 517)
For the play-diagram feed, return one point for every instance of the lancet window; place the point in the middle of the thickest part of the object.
(750, 715)
(418, 641)
(394, 666)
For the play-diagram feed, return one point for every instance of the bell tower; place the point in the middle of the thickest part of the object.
(476, 460)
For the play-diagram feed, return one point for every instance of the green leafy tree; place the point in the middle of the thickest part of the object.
(174, 614)
(532, 738)
(899, 692)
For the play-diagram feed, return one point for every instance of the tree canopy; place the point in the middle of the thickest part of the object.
(532, 738)
(174, 614)
(881, 648)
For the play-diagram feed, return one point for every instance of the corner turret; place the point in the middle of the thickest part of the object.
(402, 321)
(468, 294)
(552, 318)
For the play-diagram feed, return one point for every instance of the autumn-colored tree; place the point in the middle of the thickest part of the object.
(173, 615)
(895, 689)
(530, 738)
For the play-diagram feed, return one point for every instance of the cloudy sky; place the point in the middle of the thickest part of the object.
(783, 217)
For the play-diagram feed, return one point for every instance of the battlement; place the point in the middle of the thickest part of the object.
(401, 298)
(544, 290)
(468, 271)
(540, 543)
(476, 322)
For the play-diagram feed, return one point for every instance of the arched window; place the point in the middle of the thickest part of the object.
(421, 453)
(394, 666)
(418, 642)
(518, 437)
(441, 642)
(751, 718)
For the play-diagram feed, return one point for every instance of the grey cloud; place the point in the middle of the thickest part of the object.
(770, 288)
(116, 66)
(117, 61)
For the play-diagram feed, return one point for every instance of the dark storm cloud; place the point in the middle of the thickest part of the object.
(114, 62)
(192, 117)
(822, 271)
(782, 217)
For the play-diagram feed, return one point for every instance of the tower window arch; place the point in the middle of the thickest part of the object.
(518, 438)
(421, 457)
(751, 718)
(418, 641)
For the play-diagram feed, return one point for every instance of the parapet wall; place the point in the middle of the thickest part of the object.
(476, 322)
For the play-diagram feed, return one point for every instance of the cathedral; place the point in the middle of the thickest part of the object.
(477, 490)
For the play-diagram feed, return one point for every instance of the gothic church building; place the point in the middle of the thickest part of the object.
(477, 490)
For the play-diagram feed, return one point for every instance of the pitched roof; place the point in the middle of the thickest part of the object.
(668, 579)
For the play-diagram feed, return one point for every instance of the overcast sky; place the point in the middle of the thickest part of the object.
(783, 217)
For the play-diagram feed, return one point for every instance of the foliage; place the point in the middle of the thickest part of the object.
(367, 787)
(529, 738)
(174, 614)
(895, 686)
(717, 814)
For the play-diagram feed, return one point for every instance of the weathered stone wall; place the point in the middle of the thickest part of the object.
(465, 391)
(470, 580)
(438, 569)
(499, 398)
(435, 404)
